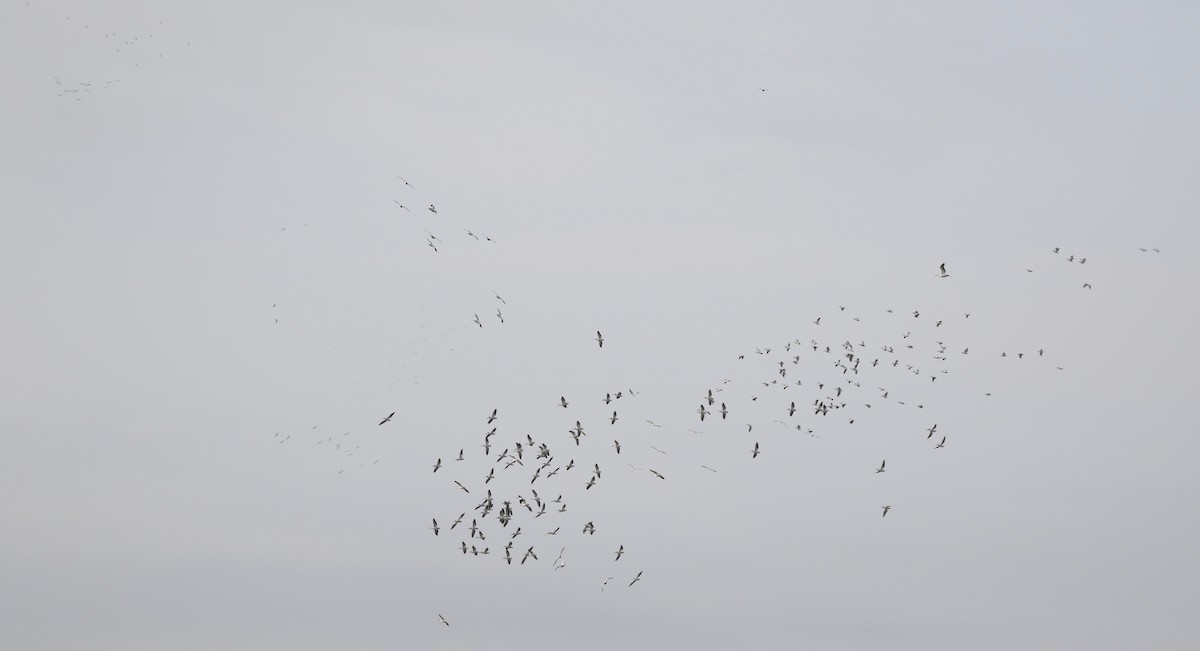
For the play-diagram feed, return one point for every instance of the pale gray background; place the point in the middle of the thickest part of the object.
(231, 156)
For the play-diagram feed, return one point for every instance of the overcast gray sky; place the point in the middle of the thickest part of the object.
(212, 296)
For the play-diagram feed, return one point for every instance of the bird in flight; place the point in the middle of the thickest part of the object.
(606, 582)
(443, 619)
(500, 299)
(478, 322)
(754, 452)
(635, 579)
(600, 339)
(886, 509)
(562, 402)
(389, 417)
(942, 271)
(880, 469)
(437, 465)
(435, 527)
(409, 185)
(432, 209)
(619, 552)
(617, 445)
(656, 474)
(943, 443)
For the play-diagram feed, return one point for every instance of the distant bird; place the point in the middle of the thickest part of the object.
(792, 409)
(589, 528)
(562, 401)
(460, 455)
(437, 465)
(500, 316)
(553, 533)
(389, 417)
(724, 411)
(401, 205)
(707, 468)
(1087, 285)
(754, 452)
(943, 443)
(617, 445)
(606, 582)
(478, 322)
(932, 430)
(435, 527)
(619, 552)
(886, 509)
(498, 297)
(656, 474)
(432, 209)
(880, 469)
(457, 521)
(635, 579)
(443, 619)
(464, 488)
(493, 416)
(600, 339)
(817, 322)
(703, 412)
(942, 271)
(613, 420)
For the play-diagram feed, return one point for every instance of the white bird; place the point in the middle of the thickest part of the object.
(600, 339)
(656, 474)
(435, 527)
(703, 411)
(942, 444)
(562, 401)
(606, 582)
(617, 445)
(942, 271)
(437, 465)
(432, 209)
(443, 619)
(498, 296)
(493, 416)
(619, 552)
(880, 469)
(636, 579)
(613, 421)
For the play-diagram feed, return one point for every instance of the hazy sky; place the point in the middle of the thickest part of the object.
(212, 296)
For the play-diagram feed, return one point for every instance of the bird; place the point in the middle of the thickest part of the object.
(478, 322)
(932, 430)
(886, 509)
(606, 582)
(943, 443)
(754, 452)
(617, 445)
(500, 316)
(432, 209)
(619, 552)
(880, 469)
(600, 339)
(457, 521)
(464, 488)
(437, 465)
(460, 455)
(389, 417)
(656, 474)
(443, 619)
(613, 421)
(703, 411)
(635, 579)
(562, 402)
(435, 527)
(724, 411)
(493, 416)
(707, 468)
(942, 269)
(498, 296)
(792, 409)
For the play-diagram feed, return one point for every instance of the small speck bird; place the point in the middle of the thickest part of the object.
(600, 339)
(886, 509)
(754, 452)
(389, 417)
(443, 619)
(635, 579)
(880, 468)
(942, 271)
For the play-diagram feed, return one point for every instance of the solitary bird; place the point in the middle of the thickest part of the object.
(619, 552)
(880, 469)
(562, 402)
(443, 619)
(656, 474)
(617, 445)
(636, 579)
(754, 452)
(478, 322)
(600, 339)
(942, 268)
(389, 417)
(435, 527)
(943, 443)
(437, 465)
(432, 209)
(886, 509)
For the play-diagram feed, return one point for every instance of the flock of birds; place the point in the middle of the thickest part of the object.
(522, 495)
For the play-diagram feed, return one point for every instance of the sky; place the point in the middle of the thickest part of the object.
(222, 271)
